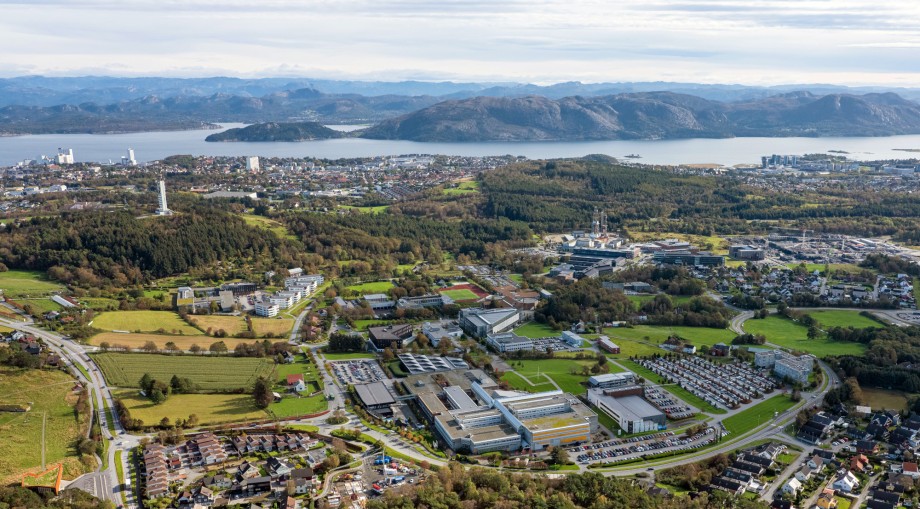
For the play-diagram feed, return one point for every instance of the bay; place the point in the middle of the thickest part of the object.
(151, 146)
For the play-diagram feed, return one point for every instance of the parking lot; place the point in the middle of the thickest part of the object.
(668, 403)
(358, 371)
(619, 450)
(557, 345)
(383, 472)
(721, 385)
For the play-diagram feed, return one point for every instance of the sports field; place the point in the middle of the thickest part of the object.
(138, 340)
(839, 318)
(26, 283)
(144, 321)
(748, 419)
(210, 408)
(207, 373)
(372, 287)
(51, 393)
(794, 336)
(458, 295)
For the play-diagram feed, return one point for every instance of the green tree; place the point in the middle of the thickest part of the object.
(262, 392)
(218, 347)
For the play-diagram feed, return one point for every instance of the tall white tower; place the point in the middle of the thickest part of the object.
(163, 210)
(252, 164)
(129, 159)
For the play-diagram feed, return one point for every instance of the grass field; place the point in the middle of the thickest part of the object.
(291, 406)
(276, 326)
(748, 419)
(838, 318)
(207, 373)
(557, 369)
(833, 267)
(348, 356)
(268, 224)
(536, 330)
(719, 245)
(361, 325)
(458, 295)
(372, 287)
(538, 384)
(20, 433)
(680, 392)
(182, 342)
(367, 210)
(231, 324)
(464, 187)
(100, 303)
(888, 400)
(789, 334)
(41, 305)
(144, 321)
(210, 408)
(643, 340)
(22, 283)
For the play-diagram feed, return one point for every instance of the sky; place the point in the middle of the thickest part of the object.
(754, 42)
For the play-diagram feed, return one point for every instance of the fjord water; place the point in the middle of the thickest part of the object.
(729, 151)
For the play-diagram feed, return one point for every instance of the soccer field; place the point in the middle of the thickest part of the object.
(461, 294)
(220, 374)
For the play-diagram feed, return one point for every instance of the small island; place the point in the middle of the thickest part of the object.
(278, 131)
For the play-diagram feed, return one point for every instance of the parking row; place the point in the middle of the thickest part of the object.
(631, 449)
(725, 385)
(354, 372)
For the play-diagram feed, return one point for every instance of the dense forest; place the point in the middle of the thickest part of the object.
(890, 362)
(558, 196)
(478, 488)
(92, 248)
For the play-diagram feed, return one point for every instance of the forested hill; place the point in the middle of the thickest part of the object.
(91, 249)
(559, 196)
(277, 131)
(653, 115)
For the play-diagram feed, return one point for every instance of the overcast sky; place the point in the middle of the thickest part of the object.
(850, 42)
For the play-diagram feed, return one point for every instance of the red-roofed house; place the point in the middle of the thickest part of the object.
(910, 468)
(296, 383)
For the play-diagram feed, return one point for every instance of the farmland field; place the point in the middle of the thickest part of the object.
(889, 400)
(210, 408)
(41, 305)
(748, 419)
(792, 335)
(207, 373)
(276, 326)
(182, 342)
(838, 318)
(231, 324)
(22, 283)
(461, 294)
(144, 321)
(20, 433)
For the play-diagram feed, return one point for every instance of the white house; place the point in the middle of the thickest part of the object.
(792, 486)
(846, 482)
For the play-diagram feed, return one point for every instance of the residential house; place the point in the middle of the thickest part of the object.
(866, 446)
(846, 482)
(909, 468)
(296, 383)
(730, 485)
(792, 486)
(816, 463)
(859, 463)
(827, 500)
(278, 467)
(804, 473)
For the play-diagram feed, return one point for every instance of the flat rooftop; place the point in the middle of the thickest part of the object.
(632, 408)
(374, 394)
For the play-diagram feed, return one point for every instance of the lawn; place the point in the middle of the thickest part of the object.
(367, 210)
(361, 325)
(268, 224)
(838, 318)
(372, 287)
(458, 295)
(889, 400)
(182, 342)
(794, 336)
(41, 305)
(557, 369)
(463, 187)
(348, 356)
(20, 433)
(231, 324)
(100, 303)
(652, 335)
(276, 326)
(291, 405)
(26, 283)
(843, 502)
(748, 419)
(207, 373)
(520, 384)
(536, 330)
(210, 408)
(144, 321)
(680, 392)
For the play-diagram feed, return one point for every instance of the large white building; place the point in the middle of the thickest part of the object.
(509, 342)
(632, 412)
(797, 368)
(252, 164)
(64, 157)
(480, 322)
(267, 308)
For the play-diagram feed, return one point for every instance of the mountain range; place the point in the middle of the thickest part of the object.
(452, 112)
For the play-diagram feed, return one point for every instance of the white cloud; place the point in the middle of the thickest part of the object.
(754, 41)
